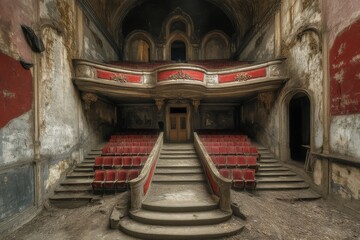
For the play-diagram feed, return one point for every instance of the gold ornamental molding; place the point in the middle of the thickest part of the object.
(120, 78)
(180, 75)
(242, 77)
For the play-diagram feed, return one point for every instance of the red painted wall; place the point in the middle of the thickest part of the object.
(15, 89)
(345, 72)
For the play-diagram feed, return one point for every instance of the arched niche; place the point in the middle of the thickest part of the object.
(287, 107)
(139, 47)
(215, 45)
(177, 17)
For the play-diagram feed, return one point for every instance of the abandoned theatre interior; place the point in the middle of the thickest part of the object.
(180, 104)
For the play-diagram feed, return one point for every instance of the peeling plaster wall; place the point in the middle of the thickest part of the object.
(16, 113)
(343, 19)
(261, 48)
(343, 23)
(301, 48)
(96, 47)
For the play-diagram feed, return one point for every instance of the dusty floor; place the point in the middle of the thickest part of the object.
(267, 218)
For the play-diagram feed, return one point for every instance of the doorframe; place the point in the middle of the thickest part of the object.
(188, 118)
(284, 124)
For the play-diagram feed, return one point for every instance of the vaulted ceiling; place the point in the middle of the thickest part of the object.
(242, 15)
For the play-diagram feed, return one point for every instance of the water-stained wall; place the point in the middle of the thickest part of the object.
(45, 125)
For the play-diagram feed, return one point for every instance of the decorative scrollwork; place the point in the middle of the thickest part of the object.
(180, 75)
(85, 71)
(121, 78)
(274, 71)
(241, 77)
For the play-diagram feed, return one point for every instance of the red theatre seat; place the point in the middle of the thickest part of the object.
(98, 163)
(117, 162)
(225, 173)
(110, 179)
(238, 179)
(250, 182)
(231, 161)
(98, 182)
(121, 179)
(107, 162)
(136, 161)
(251, 162)
(127, 162)
(241, 162)
(133, 173)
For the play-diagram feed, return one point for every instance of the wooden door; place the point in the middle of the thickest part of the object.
(178, 127)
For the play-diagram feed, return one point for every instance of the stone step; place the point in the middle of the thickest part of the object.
(80, 175)
(89, 162)
(282, 186)
(77, 181)
(270, 165)
(84, 169)
(280, 173)
(180, 218)
(179, 178)
(179, 170)
(85, 165)
(179, 156)
(145, 231)
(283, 179)
(268, 161)
(73, 196)
(272, 169)
(178, 163)
(179, 198)
(73, 189)
(267, 156)
(175, 147)
(173, 152)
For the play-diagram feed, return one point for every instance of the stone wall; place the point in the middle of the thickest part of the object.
(343, 26)
(45, 125)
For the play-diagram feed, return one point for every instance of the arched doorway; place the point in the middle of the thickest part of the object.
(178, 51)
(299, 126)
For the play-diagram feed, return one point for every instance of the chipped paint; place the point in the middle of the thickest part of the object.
(55, 173)
(346, 181)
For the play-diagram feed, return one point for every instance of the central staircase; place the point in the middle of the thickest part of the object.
(180, 204)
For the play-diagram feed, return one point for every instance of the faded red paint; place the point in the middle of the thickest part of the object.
(181, 74)
(15, 89)
(240, 76)
(345, 72)
(130, 78)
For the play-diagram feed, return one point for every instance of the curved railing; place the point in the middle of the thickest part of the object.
(220, 186)
(140, 185)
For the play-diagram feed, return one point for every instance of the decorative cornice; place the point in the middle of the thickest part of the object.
(180, 75)
(90, 13)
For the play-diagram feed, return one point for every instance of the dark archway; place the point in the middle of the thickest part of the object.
(178, 51)
(299, 126)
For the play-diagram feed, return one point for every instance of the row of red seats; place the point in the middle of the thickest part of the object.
(115, 140)
(235, 161)
(127, 150)
(131, 144)
(227, 144)
(232, 150)
(119, 162)
(241, 178)
(224, 140)
(113, 180)
(133, 136)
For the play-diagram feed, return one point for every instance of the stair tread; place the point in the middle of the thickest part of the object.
(84, 170)
(179, 178)
(280, 173)
(73, 188)
(181, 218)
(279, 179)
(77, 181)
(272, 169)
(160, 171)
(80, 174)
(145, 231)
(281, 186)
(69, 196)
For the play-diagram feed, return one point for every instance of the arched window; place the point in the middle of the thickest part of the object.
(178, 51)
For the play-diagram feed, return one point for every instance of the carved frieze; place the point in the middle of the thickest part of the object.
(240, 77)
(121, 78)
(275, 71)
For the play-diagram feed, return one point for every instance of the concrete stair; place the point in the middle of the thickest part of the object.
(272, 175)
(179, 204)
(75, 190)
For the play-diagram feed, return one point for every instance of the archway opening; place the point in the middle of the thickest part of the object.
(178, 51)
(299, 126)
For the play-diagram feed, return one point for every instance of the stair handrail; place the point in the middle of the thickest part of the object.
(220, 185)
(140, 185)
